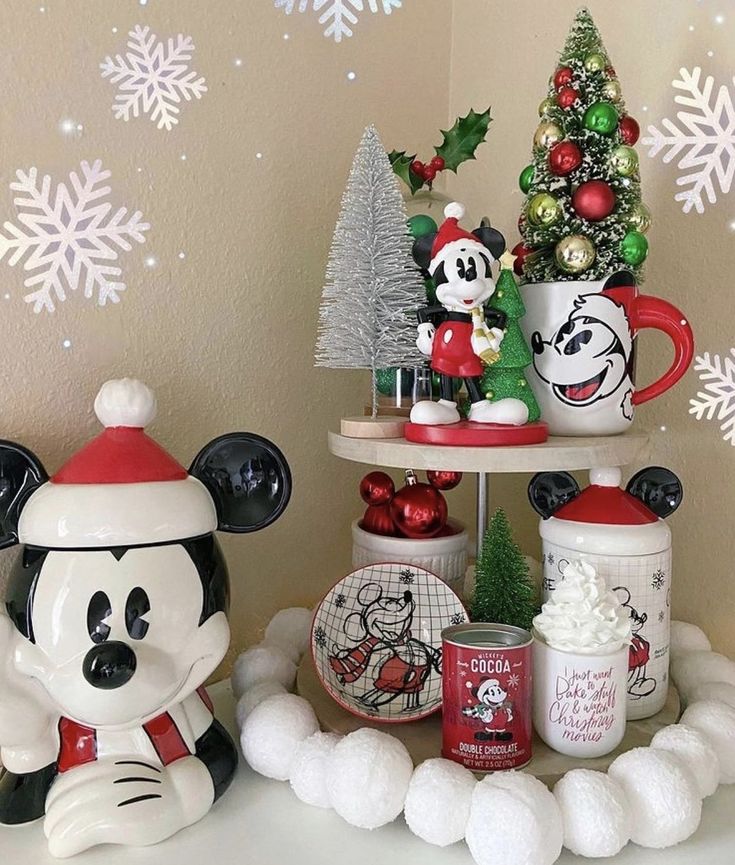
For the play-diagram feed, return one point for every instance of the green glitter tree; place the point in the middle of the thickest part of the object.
(503, 590)
(506, 377)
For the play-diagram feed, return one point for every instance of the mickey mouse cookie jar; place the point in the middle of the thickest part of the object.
(623, 535)
(116, 615)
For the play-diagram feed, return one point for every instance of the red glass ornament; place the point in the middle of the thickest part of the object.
(443, 480)
(521, 252)
(377, 488)
(418, 510)
(629, 130)
(566, 96)
(562, 76)
(593, 200)
(378, 521)
(610, 72)
(564, 158)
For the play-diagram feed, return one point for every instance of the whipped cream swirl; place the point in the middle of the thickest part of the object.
(583, 615)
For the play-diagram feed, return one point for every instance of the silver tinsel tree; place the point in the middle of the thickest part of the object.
(373, 288)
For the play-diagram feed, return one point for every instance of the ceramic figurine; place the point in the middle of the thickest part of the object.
(622, 534)
(457, 334)
(116, 615)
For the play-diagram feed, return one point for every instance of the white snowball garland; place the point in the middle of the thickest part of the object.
(438, 801)
(651, 794)
(595, 813)
(367, 776)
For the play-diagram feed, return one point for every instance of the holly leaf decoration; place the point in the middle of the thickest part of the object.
(401, 164)
(461, 141)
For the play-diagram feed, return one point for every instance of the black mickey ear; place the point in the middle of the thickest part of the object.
(619, 279)
(658, 488)
(548, 491)
(422, 250)
(491, 239)
(248, 478)
(21, 472)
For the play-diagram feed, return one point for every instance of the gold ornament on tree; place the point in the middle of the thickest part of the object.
(543, 209)
(611, 90)
(547, 135)
(639, 218)
(594, 62)
(575, 253)
(545, 107)
(624, 161)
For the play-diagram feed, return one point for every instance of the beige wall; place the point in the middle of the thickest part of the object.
(225, 335)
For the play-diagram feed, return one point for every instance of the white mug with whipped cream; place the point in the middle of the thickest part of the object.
(580, 665)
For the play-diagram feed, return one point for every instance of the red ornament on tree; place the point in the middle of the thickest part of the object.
(443, 480)
(521, 252)
(378, 521)
(566, 97)
(377, 488)
(593, 200)
(629, 130)
(418, 510)
(562, 77)
(564, 158)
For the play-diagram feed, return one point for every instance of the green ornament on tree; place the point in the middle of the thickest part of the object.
(506, 377)
(601, 117)
(503, 589)
(421, 224)
(526, 179)
(634, 248)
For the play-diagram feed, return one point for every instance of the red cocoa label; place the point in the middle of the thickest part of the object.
(486, 706)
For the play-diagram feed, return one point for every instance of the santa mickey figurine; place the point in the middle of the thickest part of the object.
(457, 334)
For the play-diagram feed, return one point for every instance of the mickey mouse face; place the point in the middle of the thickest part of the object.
(464, 278)
(117, 636)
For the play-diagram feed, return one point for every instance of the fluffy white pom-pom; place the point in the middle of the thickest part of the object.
(290, 627)
(537, 796)
(367, 778)
(723, 692)
(308, 769)
(504, 829)
(254, 697)
(288, 649)
(686, 637)
(454, 210)
(717, 722)
(125, 402)
(695, 751)
(595, 813)
(272, 731)
(438, 801)
(262, 664)
(692, 668)
(662, 793)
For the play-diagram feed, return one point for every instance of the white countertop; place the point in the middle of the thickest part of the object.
(261, 822)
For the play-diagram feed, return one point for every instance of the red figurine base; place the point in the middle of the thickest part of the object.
(469, 434)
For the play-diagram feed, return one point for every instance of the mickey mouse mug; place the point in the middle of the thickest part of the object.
(583, 337)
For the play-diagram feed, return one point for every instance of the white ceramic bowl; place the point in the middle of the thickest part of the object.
(446, 556)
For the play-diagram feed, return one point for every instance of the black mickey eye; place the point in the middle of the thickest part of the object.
(460, 268)
(577, 341)
(98, 610)
(136, 606)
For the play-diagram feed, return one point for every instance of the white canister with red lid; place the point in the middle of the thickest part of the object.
(622, 533)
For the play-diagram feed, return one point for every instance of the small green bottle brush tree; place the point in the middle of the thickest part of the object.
(583, 217)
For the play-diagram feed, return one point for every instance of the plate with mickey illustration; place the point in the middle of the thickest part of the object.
(376, 641)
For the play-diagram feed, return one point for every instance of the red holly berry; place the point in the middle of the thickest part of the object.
(438, 163)
(418, 167)
(429, 173)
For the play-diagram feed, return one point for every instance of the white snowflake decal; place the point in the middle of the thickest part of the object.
(338, 16)
(153, 77)
(717, 400)
(704, 139)
(69, 236)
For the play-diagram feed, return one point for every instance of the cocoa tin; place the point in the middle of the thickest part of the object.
(486, 696)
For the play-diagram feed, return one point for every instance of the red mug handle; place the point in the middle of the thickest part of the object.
(649, 311)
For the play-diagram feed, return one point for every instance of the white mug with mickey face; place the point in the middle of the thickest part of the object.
(583, 337)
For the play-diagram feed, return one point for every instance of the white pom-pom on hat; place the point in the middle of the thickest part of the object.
(125, 402)
(454, 210)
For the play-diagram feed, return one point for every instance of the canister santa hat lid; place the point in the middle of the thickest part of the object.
(122, 488)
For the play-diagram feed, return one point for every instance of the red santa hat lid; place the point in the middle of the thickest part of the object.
(122, 488)
(605, 502)
(451, 235)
